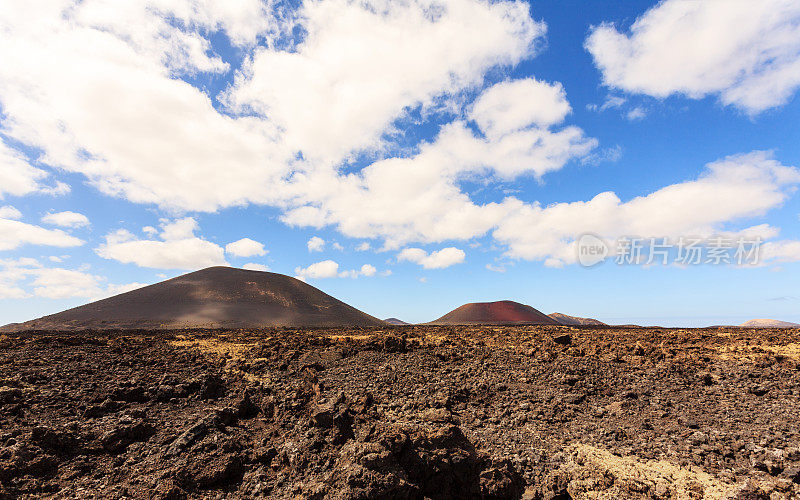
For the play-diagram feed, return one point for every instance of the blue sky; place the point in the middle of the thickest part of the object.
(405, 157)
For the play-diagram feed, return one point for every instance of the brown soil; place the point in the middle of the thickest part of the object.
(407, 412)
(504, 312)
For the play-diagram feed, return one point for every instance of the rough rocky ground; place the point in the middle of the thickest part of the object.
(406, 412)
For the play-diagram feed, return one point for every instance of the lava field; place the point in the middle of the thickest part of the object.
(402, 412)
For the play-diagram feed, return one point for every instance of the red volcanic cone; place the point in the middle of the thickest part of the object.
(504, 312)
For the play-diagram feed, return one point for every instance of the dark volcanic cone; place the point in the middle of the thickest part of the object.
(219, 297)
(504, 312)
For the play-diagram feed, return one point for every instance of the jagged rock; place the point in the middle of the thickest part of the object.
(125, 433)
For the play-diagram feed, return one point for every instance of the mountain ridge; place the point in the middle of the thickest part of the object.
(218, 297)
(502, 312)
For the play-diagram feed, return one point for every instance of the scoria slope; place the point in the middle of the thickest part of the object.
(212, 297)
(504, 312)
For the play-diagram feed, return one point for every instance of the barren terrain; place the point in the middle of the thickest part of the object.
(399, 412)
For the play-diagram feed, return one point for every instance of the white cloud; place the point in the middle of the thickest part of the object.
(59, 283)
(514, 105)
(611, 102)
(323, 269)
(438, 259)
(15, 233)
(178, 248)
(368, 270)
(80, 79)
(252, 266)
(19, 178)
(315, 244)
(337, 246)
(636, 113)
(426, 185)
(362, 64)
(12, 272)
(245, 248)
(54, 282)
(9, 212)
(66, 219)
(747, 53)
(780, 251)
(734, 188)
(363, 246)
(496, 269)
(330, 269)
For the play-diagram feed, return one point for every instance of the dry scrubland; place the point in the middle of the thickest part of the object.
(442, 412)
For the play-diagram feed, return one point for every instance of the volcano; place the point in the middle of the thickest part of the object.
(216, 297)
(566, 319)
(396, 322)
(504, 312)
(768, 323)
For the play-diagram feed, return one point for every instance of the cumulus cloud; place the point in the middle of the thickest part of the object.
(746, 53)
(734, 188)
(323, 269)
(337, 79)
(79, 79)
(513, 105)
(294, 113)
(15, 233)
(426, 185)
(315, 244)
(330, 269)
(9, 212)
(245, 248)
(366, 270)
(57, 283)
(438, 259)
(780, 251)
(26, 277)
(19, 178)
(178, 248)
(252, 266)
(66, 219)
(361, 64)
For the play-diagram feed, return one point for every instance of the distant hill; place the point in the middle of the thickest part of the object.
(768, 323)
(565, 319)
(504, 312)
(395, 322)
(215, 297)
